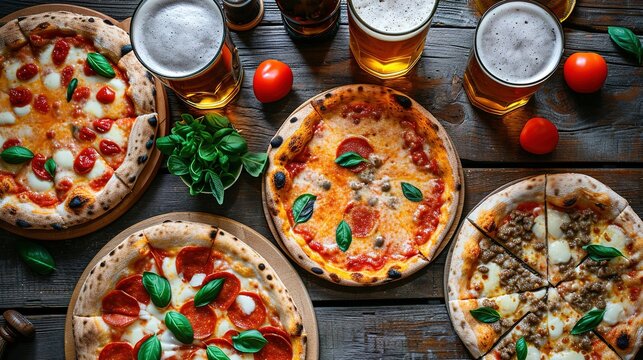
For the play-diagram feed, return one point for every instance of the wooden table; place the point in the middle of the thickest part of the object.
(600, 135)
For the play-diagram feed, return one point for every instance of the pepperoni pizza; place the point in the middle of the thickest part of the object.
(77, 120)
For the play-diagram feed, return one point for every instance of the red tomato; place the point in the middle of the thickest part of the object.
(102, 125)
(67, 74)
(85, 161)
(27, 71)
(10, 142)
(86, 134)
(539, 136)
(20, 96)
(585, 72)
(106, 95)
(41, 103)
(108, 147)
(61, 49)
(81, 93)
(88, 69)
(38, 167)
(272, 81)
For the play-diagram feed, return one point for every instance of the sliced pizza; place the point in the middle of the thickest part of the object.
(529, 338)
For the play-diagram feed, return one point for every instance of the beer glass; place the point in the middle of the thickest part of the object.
(387, 36)
(518, 45)
(310, 19)
(562, 8)
(187, 46)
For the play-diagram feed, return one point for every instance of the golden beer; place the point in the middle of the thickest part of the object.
(187, 46)
(562, 8)
(310, 19)
(387, 36)
(517, 46)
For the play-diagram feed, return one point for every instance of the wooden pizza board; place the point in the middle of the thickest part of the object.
(449, 233)
(263, 246)
(146, 176)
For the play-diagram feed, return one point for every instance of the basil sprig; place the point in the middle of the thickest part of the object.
(70, 88)
(150, 349)
(411, 192)
(208, 292)
(485, 314)
(343, 236)
(302, 208)
(50, 167)
(207, 153)
(627, 40)
(180, 326)
(158, 288)
(349, 159)
(250, 341)
(588, 322)
(101, 65)
(36, 257)
(214, 353)
(600, 252)
(16, 154)
(521, 348)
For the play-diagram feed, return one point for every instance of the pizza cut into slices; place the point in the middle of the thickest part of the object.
(579, 208)
(480, 268)
(529, 336)
(515, 217)
(481, 322)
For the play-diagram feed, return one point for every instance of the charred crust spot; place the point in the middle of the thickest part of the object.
(108, 22)
(328, 95)
(458, 186)
(91, 20)
(600, 206)
(322, 108)
(569, 202)
(300, 328)
(357, 277)
(141, 159)
(149, 144)
(213, 234)
(293, 119)
(237, 239)
(153, 121)
(43, 25)
(262, 266)
(276, 141)
(394, 273)
(167, 221)
(77, 202)
(102, 264)
(13, 211)
(149, 76)
(360, 88)
(105, 207)
(334, 277)
(153, 94)
(20, 18)
(23, 224)
(279, 179)
(57, 226)
(435, 127)
(623, 341)
(300, 257)
(132, 179)
(317, 270)
(269, 277)
(125, 49)
(404, 101)
(111, 253)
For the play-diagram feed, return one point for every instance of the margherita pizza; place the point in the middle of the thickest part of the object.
(363, 185)
(77, 121)
(180, 290)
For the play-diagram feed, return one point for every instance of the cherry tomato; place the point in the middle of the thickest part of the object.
(585, 72)
(102, 125)
(81, 93)
(87, 70)
(106, 95)
(272, 81)
(59, 54)
(20, 96)
(41, 103)
(10, 142)
(38, 167)
(67, 74)
(108, 147)
(539, 136)
(27, 71)
(85, 161)
(86, 134)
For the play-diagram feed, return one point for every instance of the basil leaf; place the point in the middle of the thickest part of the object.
(181, 129)
(411, 192)
(216, 121)
(206, 136)
(70, 88)
(208, 152)
(224, 161)
(16, 154)
(50, 167)
(216, 185)
(180, 326)
(197, 187)
(221, 133)
(158, 288)
(176, 166)
(627, 40)
(196, 170)
(521, 348)
(36, 257)
(349, 159)
(254, 163)
(188, 150)
(600, 252)
(485, 314)
(214, 353)
(187, 118)
(343, 236)
(250, 341)
(150, 349)
(234, 144)
(167, 144)
(101, 65)
(302, 208)
(588, 322)
(208, 292)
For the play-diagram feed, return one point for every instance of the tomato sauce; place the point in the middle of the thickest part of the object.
(42, 200)
(429, 216)
(359, 110)
(365, 261)
(298, 163)
(100, 182)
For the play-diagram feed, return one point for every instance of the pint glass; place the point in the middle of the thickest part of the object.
(562, 8)
(187, 46)
(387, 36)
(517, 46)
(310, 19)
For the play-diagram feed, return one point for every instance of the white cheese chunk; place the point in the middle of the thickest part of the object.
(23, 110)
(169, 343)
(539, 228)
(223, 325)
(613, 313)
(508, 304)
(45, 55)
(116, 135)
(197, 279)
(76, 55)
(567, 355)
(492, 280)
(64, 159)
(25, 131)
(98, 170)
(7, 118)
(36, 184)
(52, 81)
(559, 252)
(118, 86)
(555, 326)
(10, 70)
(555, 219)
(532, 353)
(246, 304)
(615, 237)
(93, 107)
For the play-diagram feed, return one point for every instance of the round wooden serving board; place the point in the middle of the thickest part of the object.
(263, 246)
(146, 176)
(447, 237)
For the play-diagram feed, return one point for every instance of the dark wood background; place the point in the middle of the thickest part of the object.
(600, 135)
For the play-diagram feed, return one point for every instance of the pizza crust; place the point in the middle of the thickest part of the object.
(477, 337)
(28, 215)
(464, 259)
(139, 149)
(90, 336)
(571, 189)
(173, 234)
(141, 84)
(11, 37)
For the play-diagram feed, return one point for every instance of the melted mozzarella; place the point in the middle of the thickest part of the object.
(93, 107)
(169, 344)
(559, 252)
(75, 55)
(64, 159)
(246, 304)
(45, 55)
(532, 353)
(10, 70)
(492, 281)
(555, 219)
(508, 304)
(567, 355)
(25, 131)
(36, 184)
(555, 326)
(98, 170)
(197, 279)
(7, 118)
(52, 81)
(539, 228)
(613, 313)
(181, 291)
(614, 237)
(116, 135)
(22, 111)
(118, 86)
(223, 325)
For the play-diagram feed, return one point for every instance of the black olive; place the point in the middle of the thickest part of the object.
(279, 179)
(77, 202)
(317, 270)
(126, 49)
(152, 121)
(23, 224)
(276, 141)
(404, 101)
(394, 273)
(623, 341)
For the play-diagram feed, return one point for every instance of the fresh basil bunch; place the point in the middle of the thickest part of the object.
(207, 153)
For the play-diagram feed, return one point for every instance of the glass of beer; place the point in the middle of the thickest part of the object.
(518, 45)
(186, 45)
(562, 8)
(387, 36)
(310, 19)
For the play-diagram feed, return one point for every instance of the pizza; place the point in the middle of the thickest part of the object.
(363, 185)
(179, 290)
(591, 241)
(77, 119)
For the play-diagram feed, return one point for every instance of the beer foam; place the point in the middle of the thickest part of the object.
(394, 16)
(519, 42)
(177, 39)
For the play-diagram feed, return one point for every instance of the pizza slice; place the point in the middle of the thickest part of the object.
(515, 217)
(481, 322)
(579, 208)
(529, 338)
(480, 268)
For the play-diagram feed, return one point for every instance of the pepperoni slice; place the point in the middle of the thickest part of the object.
(358, 145)
(38, 167)
(229, 291)
(229, 334)
(120, 309)
(117, 351)
(247, 321)
(81, 93)
(67, 74)
(20, 96)
(203, 319)
(60, 51)
(85, 161)
(102, 125)
(193, 260)
(87, 70)
(133, 285)
(108, 147)
(86, 134)
(106, 95)
(27, 71)
(138, 345)
(41, 104)
(225, 343)
(361, 218)
(277, 348)
(10, 142)
(274, 330)
(158, 255)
